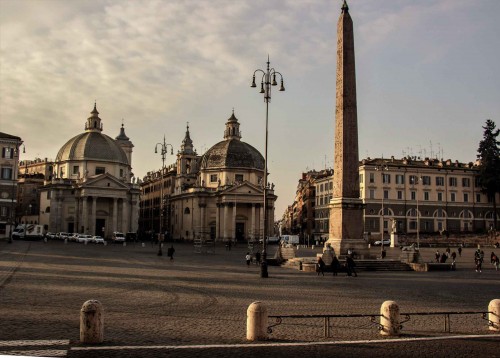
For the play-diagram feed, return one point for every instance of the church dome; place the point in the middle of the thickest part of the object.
(92, 146)
(232, 153)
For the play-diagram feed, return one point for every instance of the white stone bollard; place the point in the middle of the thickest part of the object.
(257, 322)
(494, 315)
(65, 241)
(124, 244)
(143, 245)
(389, 318)
(92, 322)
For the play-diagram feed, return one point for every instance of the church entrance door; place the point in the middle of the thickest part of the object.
(240, 231)
(100, 225)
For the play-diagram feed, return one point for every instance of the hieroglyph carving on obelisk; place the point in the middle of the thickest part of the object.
(346, 208)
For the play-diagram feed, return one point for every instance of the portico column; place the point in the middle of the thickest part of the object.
(85, 215)
(125, 219)
(77, 214)
(115, 214)
(261, 221)
(94, 209)
(217, 223)
(226, 220)
(233, 223)
(252, 234)
(202, 217)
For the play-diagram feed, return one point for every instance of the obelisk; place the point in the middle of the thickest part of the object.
(346, 208)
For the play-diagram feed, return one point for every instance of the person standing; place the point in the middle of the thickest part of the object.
(350, 264)
(248, 257)
(320, 267)
(170, 252)
(495, 260)
(460, 250)
(437, 255)
(335, 265)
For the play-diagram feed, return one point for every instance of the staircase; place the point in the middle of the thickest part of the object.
(361, 265)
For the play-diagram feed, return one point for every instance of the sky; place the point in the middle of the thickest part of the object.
(427, 76)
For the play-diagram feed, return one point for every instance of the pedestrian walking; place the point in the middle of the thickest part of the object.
(478, 259)
(320, 266)
(437, 256)
(170, 252)
(350, 265)
(257, 258)
(248, 257)
(460, 251)
(495, 260)
(335, 265)
(454, 256)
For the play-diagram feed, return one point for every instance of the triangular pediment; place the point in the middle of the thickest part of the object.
(104, 181)
(243, 188)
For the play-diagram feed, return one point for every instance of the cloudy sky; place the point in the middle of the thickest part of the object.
(427, 76)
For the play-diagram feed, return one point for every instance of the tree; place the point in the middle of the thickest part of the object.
(489, 170)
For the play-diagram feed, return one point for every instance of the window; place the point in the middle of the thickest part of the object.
(466, 182)
(440, 196)
(400, 195)
(413, 195)
(321, 188)
(400, 179)
(100, 170)
(372, 178)
(453, 181)
(121, 173)
(466, 198)
(76, 169)
(4, 211)
(238, 177)
(452, 196)
(439, 181)
(477, 182)
(187, 211)
(372, 194)
(426, 195)
(331, 185)
(386, 194)
(478, 198)
(426, 180)
(386, 178)
(413, 179)
(321, 201)
(213, 178)
(6, 173)
(7, 153)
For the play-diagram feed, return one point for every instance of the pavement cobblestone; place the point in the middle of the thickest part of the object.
(202, 299)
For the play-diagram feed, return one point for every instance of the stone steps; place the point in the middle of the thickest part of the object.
(361, 265)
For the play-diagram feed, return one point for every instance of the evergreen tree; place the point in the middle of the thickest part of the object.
(489, 171)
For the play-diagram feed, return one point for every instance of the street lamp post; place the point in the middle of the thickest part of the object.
(163, 151)
(381, 168)
(416, 180)
(267, 81)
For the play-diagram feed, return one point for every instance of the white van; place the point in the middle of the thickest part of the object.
(290, 239)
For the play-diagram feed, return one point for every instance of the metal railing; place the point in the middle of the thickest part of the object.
(373, 319)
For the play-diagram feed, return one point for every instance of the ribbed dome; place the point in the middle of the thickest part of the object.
(92, 146)
(232, 154)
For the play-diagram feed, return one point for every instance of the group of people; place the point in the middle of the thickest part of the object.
(336, 266)
(249, 258)
(442, 258)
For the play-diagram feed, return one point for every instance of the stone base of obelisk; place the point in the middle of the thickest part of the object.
(347, 227)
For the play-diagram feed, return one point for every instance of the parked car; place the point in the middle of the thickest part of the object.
(51, 235)
(118, 237)
(62, 235)
(97, 240)
(73, 237)
(82, 238)
(379, 242)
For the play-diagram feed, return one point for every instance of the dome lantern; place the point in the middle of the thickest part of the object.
(93, 123)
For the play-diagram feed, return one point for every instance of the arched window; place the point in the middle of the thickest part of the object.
(186, 211)
(47, 209)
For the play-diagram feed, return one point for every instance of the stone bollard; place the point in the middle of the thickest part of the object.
(257, 321)
(494, 315)
(143, 245)
(65, 241)
(92, 322)
(389, 318)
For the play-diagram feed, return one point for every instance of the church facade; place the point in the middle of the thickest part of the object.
(214, 196)
(91, 189)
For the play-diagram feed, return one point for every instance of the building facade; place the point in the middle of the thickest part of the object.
(92, 190)
(425, 196)
(9, 162)
(214, 196)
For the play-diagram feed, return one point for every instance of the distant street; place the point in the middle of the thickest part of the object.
(158, 307)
